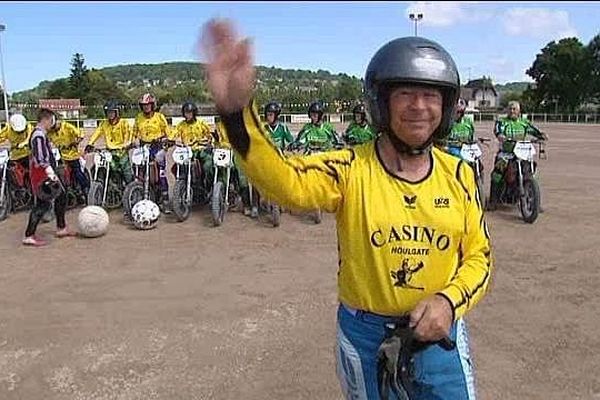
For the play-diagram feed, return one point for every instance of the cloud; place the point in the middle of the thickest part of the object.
(538, 23)
(448, 13)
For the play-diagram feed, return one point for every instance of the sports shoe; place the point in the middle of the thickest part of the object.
(34, 241)
(65, 232)
(254, 213)
(247, 211)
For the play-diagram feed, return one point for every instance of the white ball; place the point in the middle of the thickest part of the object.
(92, 221)
(145, 214)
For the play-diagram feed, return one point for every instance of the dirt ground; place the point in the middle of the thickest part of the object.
(188, 311)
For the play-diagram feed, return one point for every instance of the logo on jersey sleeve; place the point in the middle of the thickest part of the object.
(404, 274)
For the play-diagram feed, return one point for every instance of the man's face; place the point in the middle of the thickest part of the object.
(112, 115)
(271, 118)
(358, 118)
(147, 108)
(514, 111)
(415, 113)
(314, 118)
(47, 123)
(188, 115)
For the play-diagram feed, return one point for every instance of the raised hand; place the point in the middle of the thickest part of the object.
(230, 71)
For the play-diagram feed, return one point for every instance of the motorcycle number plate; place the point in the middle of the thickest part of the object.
(56, 153)
(524, 150)
(3, 156)
(222, 158)
(140, 156)
(470, 152)
(182, 155)
(102, 159)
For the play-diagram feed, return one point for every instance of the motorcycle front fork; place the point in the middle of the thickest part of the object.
(3, 186)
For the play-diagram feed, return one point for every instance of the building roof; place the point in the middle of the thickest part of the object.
(481, 84)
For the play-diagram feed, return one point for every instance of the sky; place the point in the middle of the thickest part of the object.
(485, 38)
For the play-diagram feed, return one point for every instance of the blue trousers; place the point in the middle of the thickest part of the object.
(439, 374)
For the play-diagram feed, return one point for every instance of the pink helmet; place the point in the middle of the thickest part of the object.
(147, 98)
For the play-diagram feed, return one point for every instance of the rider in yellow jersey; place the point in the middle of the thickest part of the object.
(17, 132)
(196, 133)
(151, 128)
(414, 249)
(67, 137)
(118, 136)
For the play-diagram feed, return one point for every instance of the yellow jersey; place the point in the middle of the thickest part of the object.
(150, 129)
(195, 134)
(19, 142)
(399, 242)
(116, 137)
(67, 139)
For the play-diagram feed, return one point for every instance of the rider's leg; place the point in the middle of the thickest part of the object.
(244, 190)
(161, 160)
(125, 168)
(438, 373)
(496, 181)
(80, 175)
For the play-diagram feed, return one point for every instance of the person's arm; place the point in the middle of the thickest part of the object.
(534, 131)
(96, 135)
(167, 132)
(311, 182)
(4, 134)
(287, 136)
(471, 131)
(472, 277)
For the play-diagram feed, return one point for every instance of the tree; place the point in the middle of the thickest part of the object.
(59, 89)
(78, 80)
(593, 49)
(562, 72)
(510, 96)
(100, 89)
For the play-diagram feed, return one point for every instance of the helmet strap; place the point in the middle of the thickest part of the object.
(403, 148)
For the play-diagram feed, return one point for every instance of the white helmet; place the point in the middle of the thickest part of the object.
(145, 214)
(18, 123)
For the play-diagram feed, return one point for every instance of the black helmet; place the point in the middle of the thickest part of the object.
(411, 60)
(316, 107)
(188, 106)
(273, 107)
(111, 105)
(360, 109)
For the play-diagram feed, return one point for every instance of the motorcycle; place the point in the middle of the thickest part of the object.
(519, 184)
(15, 189)
(146, 183)
(190, 188)
(314, 147)
(224, 193)
(470, 151)
(108, 184)
(262, 205)
(76, 195)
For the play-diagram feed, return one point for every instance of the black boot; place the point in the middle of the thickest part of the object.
(494, 196)
(166, 204)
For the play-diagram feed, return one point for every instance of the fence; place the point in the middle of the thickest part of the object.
(545, 118)
(347, 118)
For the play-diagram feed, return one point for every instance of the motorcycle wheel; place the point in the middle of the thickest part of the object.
(218, 205)
(134, 192)
(6, 205)
(529, 203)
(181, 204)
(95, 194)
